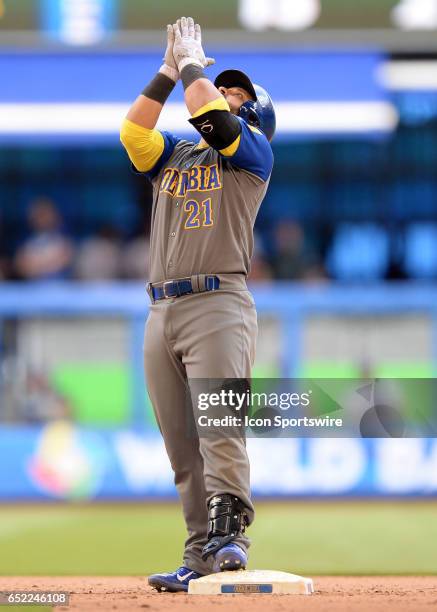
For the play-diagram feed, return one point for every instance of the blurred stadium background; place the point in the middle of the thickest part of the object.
(344, 276)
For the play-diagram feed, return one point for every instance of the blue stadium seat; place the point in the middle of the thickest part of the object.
(354, 200)
(415, 199)
(295, 200)
(421, 250)
(113, 204)
(358, 252)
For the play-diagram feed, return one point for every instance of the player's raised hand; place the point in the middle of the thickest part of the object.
(207, 61)
(187, 48)
(169, 68)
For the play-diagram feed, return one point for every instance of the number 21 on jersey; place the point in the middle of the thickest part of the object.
(199, 214)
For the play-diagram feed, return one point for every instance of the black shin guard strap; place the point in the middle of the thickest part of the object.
(226, 519)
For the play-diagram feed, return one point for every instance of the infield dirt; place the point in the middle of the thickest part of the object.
(332, 594)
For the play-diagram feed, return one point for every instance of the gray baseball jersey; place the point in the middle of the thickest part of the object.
(204, 209)
(204, 206)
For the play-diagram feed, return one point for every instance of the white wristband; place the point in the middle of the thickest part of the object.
(170, 72)
(187, 61)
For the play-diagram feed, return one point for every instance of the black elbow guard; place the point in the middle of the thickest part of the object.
(219, 128)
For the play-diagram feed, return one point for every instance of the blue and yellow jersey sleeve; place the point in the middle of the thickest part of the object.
(148, 149)
(250, 151)
(243, 145)
(217, 104)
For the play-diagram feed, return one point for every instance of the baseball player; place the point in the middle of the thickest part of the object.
(202, 322)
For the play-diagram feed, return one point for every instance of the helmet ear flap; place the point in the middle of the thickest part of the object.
(253, 118)
(249, 114)
(260, 113)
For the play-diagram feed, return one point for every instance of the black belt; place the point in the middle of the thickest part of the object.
(182, 286)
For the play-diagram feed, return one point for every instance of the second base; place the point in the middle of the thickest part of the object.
(251, 582)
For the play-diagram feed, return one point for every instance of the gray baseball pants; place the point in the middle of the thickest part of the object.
(204, 335)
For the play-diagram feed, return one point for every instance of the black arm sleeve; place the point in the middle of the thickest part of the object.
(159, 88)
(219, 128)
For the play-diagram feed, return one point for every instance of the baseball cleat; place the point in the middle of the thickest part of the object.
(230, 557)
(175, 581)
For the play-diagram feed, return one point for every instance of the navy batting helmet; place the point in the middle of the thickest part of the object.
(259, 111)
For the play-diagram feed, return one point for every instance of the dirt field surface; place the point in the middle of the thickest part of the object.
(334, 594)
